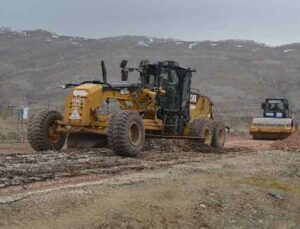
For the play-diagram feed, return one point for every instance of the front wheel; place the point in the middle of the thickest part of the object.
(42, 131)
(126, 133)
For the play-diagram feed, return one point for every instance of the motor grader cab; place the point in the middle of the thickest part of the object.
(161, 105)
(276, 122)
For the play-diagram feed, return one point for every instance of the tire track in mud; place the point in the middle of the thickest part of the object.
(20, 169)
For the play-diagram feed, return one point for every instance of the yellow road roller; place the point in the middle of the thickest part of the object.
(276, 123)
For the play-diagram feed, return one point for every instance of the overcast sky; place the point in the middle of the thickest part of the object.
(270, 21)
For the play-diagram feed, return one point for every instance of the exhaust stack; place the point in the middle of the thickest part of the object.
(103, 71)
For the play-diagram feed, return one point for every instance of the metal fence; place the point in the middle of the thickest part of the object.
(14, 119)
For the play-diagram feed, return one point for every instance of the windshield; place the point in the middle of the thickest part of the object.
(169, 76)
(275, 106)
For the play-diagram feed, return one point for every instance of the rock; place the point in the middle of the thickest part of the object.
(277, 195)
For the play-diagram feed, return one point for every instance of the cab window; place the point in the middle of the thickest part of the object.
(169, 77)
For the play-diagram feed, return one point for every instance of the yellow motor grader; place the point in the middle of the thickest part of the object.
(161, 105)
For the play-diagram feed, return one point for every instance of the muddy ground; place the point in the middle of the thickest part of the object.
(168, 186)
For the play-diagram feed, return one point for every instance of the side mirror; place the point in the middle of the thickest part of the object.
(263, 106)
(123, 64)
(286, 106)
(192, 70)
(63, 86)
(124, 75)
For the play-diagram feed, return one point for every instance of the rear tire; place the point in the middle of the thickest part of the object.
(202, 128)
(218, 138)
(126, 133)
(42, 134)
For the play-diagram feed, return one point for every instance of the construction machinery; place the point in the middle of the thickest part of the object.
(276, 123)
(161, 105)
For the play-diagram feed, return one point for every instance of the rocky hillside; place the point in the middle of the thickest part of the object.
(236, 74)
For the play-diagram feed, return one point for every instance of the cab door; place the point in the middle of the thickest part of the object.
(170, 83)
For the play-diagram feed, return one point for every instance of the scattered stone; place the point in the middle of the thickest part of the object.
(277, 195)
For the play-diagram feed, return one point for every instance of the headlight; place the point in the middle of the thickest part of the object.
(80, 93)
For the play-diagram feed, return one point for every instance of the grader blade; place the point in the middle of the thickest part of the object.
(174, 137)
(86, 140)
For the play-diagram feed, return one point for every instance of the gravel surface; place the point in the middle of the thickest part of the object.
(248, 189)
(292, 143)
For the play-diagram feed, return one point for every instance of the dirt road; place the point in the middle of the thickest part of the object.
(247, 186)
(20, 166)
